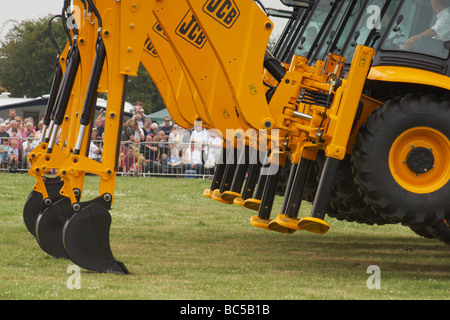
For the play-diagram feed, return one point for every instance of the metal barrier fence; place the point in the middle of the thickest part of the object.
(167, 159)
(14, 152)
(188, 160)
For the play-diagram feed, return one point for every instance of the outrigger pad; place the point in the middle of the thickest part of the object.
(259, 222)
(275, 226)
(86, 238)
(49, 227)
(252, 204)
(207, 193)
(229, 196)
(314, 225)
(218, 197)
(286, 221)
(35, 205)
(239, 201)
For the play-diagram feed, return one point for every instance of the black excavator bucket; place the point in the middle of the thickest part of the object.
(86, 236)
(35, 203)
(49, 227)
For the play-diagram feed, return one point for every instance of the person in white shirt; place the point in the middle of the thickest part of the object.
(214, 149)
(95, 153)
(440, 30)
(28, 145)
(193, 158)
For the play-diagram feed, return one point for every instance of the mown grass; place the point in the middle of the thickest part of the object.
(178, 244)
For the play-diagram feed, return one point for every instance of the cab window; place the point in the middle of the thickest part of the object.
(421, 26)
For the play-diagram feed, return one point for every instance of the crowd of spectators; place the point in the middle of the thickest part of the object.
(151, 148)
(146, 147)
(18, 137)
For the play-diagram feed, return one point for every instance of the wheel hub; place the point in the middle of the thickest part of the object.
(420, 160)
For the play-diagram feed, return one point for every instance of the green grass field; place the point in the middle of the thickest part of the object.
(178, 244)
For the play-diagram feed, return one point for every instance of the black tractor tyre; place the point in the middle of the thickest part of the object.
(442, 232)
(347, 191)
(397, 181)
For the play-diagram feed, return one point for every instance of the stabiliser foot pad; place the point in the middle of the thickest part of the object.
(286, 221)
(229, 196)
(269, 225)
(86, 238)
(259, 223)
(218, 197)
(252, 204)
(207, 193)
(313, 225)
(239, 201)
(275, 226)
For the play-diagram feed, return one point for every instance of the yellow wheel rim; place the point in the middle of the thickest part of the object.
(419, 160)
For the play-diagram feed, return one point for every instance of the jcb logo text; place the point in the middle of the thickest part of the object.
(224, 11)
(159, 30)
(150, 48)
(190, 30)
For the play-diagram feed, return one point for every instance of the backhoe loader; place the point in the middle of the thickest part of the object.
(417, 78)
(358, 116)
(410, 188)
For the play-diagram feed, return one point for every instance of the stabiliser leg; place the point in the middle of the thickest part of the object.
(218, 176)
(315, 222)
(293, 197)
(252, 178)
(239, 176)
(262, 220)
(254, 202)
(228, 176)
(290, 183)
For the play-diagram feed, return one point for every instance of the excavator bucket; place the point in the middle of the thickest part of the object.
(86, 237)
(85, 233)
(49, 227)
(36, 204)
(46, 209)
